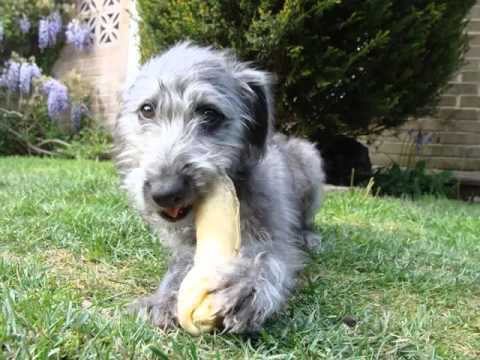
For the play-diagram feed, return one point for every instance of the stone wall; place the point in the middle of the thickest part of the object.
(106, 65)
(450, 139)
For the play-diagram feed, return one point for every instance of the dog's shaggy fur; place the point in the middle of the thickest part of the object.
(192, 115)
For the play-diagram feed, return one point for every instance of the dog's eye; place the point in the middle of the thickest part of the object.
(147, 111)
(209, 113)
(211, 118)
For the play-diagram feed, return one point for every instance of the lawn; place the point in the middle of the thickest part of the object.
(395, 278)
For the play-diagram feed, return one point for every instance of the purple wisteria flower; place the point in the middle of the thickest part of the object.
(77, 110)
(24, 24)
(78, 34)
(54, 27)
(28, 71)
(3, 78)
(43, 33)
(48, 30)
(57, 98)
(10, 76)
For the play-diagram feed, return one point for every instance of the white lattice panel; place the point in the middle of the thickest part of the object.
(103, 19)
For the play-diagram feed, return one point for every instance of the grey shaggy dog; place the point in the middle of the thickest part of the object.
(194, 114)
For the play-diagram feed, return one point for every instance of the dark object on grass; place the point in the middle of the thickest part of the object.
(413, 182)
(345, 160)
(350, 321)
(344, 67)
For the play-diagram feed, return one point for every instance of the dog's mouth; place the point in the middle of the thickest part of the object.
(174, 214)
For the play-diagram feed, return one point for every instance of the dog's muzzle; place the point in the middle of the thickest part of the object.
(170, 194)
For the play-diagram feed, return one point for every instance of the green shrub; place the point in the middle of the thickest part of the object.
(26, 128)
(352, 67)
(34, 133)
(413, 181)
(92, 142)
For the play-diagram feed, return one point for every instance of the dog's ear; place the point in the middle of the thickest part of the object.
(257, 87)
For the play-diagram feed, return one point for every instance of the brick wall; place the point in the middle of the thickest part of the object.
(104, 66)
(450, 139)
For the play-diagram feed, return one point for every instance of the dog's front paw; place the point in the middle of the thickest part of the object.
(161, 312)
(239, 302)
(238, 308)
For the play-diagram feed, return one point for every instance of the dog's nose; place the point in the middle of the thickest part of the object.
(169, 191)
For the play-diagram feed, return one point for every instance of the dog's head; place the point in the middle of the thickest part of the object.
(191, 115)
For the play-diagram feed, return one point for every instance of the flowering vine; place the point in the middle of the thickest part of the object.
(57, 98)
(24, 24)
(27, 95)
(78, 34)
(28, 72)
(48, 30)
(17, 78)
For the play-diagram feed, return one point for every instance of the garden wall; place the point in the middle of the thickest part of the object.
(450, 139)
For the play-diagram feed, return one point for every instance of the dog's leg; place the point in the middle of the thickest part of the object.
(161, 306)
(252, 291)
(306, 163)
(312, 239)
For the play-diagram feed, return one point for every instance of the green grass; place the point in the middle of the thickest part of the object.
(72, 254)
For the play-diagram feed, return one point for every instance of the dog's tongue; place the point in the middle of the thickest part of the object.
(173, 212)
